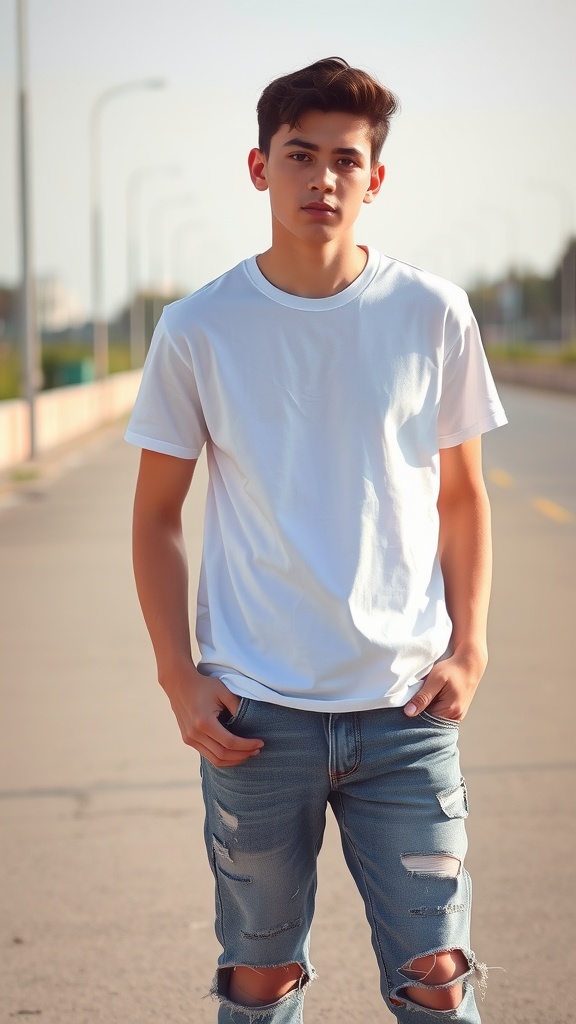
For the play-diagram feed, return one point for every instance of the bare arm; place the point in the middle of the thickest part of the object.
(161, 572)
(465, 551)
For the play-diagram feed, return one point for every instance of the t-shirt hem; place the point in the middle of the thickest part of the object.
(162, 447)
(482, 426)
(255, 691)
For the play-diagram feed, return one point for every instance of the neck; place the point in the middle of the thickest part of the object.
(312, 272)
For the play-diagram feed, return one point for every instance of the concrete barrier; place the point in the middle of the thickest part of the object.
(547, 377)
(63, 414)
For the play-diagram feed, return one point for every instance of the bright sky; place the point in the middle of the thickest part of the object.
(481, 163)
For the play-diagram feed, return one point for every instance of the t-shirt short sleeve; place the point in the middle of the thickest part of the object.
(167, 416)
(469, 403)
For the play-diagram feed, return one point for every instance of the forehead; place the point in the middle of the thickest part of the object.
(328, 129)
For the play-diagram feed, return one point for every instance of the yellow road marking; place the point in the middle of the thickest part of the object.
(544, 506)
(552, 510)
(500, 477)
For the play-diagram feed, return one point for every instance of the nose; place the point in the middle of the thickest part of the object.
(322, 179)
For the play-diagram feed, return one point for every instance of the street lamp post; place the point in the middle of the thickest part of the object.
(100, 326)
(133, 211)
(513, 308)
(181, 232)
(29, 328)
(156, 246)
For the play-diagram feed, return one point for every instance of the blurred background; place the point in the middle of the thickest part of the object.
(140, 117)
(124, 131)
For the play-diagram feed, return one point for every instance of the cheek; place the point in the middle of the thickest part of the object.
(354, 200)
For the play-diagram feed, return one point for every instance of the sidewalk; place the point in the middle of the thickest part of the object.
(107, 902)
(106, 893)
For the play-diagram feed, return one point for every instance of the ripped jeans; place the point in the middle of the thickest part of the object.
(395, 787)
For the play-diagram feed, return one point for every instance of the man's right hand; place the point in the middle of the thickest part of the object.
(197, 701)
(161, 572)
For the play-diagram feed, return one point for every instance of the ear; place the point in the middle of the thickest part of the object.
(377, 175)
(257, 168)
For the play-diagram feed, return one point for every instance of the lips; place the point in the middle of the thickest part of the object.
(319, 207)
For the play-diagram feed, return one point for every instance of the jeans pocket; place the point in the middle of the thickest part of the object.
(228, 720)
(444, 723)
(454, 802)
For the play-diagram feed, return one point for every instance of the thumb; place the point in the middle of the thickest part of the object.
(422, 699)
(227, 699)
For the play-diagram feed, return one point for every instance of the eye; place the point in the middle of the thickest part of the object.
(347, 161)
(299, 157)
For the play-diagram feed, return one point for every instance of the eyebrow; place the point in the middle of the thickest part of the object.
(340, 151)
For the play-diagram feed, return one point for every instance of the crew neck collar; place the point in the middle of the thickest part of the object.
(329, 301)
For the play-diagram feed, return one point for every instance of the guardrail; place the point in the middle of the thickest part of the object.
(63, 414)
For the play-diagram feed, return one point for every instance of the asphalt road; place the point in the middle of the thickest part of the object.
(106, 899)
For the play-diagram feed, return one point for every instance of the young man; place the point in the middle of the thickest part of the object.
(346, 567)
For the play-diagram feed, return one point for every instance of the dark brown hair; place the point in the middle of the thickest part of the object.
(329, 84)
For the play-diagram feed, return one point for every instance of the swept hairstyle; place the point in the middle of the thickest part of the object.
(329, 84)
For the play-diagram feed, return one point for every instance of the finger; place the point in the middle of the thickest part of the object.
(222, 758)
(229, 700)
(209, 731)
(209, 728)
(228, 740)
(446, 708)
(421, 700)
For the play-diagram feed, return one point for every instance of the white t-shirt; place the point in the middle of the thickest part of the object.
(320, 585)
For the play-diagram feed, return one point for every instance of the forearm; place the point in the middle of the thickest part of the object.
(161, 573)
(465, 549)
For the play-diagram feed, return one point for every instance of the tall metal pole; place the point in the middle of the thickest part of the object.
(133, 263)
(156, 246)
(29, 329)
(100, 324)
(181, 231)
(511, 317)
(567, 267)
